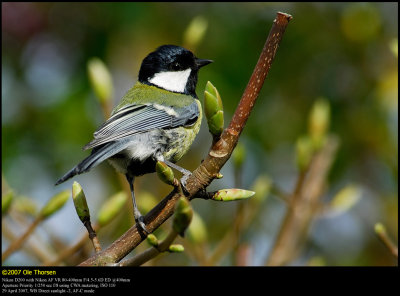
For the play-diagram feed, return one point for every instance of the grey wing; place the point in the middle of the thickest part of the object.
(135, 118)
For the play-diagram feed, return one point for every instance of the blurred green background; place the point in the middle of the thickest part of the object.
(343, 52)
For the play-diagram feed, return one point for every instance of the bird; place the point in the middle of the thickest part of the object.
(156, 120)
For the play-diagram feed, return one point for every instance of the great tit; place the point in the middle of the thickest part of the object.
(156, 120)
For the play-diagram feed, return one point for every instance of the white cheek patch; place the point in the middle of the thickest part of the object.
(173, 81)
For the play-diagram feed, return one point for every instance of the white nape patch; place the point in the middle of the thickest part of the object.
(173, 81)
(168, 110)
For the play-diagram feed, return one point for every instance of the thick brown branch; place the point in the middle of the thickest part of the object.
(219, 153)
(260, 72)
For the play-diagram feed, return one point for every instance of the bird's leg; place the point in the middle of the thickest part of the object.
(136, 213)
(186, 173)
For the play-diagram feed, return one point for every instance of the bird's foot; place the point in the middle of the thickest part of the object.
(183, 181)
(141, 226)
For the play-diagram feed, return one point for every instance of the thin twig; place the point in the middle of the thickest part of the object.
(280, 194)
(303, 206)
(386, 240)
(15, 245)
(68, 252)
(92, 236)
(152, 252)
(32, 247)
(218, 155)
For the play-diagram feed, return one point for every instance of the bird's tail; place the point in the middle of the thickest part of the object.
(98, 155)
(70, 174)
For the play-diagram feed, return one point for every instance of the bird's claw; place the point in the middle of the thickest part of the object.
(141, 226)
(183, 181)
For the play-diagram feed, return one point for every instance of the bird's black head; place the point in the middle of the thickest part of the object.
(172, 68)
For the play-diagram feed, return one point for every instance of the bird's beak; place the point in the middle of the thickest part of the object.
(201, 62)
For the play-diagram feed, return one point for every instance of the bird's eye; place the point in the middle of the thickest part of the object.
(175, 66)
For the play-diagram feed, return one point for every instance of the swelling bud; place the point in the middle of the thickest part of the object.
(100, 79)
(152, 240)
(176, 248)
(213, 109)
(111, 208)
(165, 173)
(318, 123)
(304, 152)
(6, 201)
(79, 198)
(232, 194)
(183, 216)
(194, 33)
(197, 231)
(239, 155)
(54, 204)
(345, 199)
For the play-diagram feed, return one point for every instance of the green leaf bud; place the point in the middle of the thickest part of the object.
(212, 100)
(55, 204)
(262, 187)
(239, 155)
(318, 122)
(218, 176)
(216, 123)
(111, 208)
(213, 109)
(146, 201)
(100, 79)
(394, 47)
(317, 261)
(165, 173)
(80, 203)
(183, 216)
(176, 248)
(25, 205)
(152, 240)
(304, 152)
(197, 231)
(232, 194)
(380, 229)
(345, 199)
(6, 201)
(194, 33)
